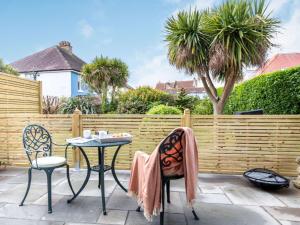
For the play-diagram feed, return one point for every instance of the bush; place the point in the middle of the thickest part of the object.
(275, 93)
(86, 104)
(142, 99)
(164, 110)
(204, 107)
(184, 101)
(51, 105)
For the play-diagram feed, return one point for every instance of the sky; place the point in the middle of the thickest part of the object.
(131, 30)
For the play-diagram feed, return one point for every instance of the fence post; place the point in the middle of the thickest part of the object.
(40, 97)
(186, 118)
(76, 132)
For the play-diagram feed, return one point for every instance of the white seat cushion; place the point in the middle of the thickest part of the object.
(49, 161)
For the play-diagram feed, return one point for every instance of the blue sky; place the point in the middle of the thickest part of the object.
(132, 30)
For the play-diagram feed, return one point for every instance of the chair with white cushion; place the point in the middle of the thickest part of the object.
(37, 144)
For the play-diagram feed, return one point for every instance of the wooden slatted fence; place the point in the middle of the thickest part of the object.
(227, 144)
(18, 95)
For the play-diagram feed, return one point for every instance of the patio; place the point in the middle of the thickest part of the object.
(222, 200)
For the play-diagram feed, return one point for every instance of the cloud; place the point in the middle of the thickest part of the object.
(86, 29)
(152, 70)
(289, 36)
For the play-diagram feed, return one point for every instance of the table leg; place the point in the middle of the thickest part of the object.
(101, 169)
(87, 175)
(113, 169)
(99, 163)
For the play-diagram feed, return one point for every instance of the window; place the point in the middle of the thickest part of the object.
(79, 87)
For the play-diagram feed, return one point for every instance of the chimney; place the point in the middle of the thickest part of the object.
(65, 45)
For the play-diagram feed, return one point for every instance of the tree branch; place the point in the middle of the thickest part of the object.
(212, 86)
(229, 84)
(207, 89)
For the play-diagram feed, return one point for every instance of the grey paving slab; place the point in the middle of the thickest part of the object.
(91, 189)
(290, 201)
(12, 171)
(22, 212)
(16, 194)
(113, 217)
(176, 205)
(38, 177)
(251, 196)
(8, 221)
(87, 224)
(81, 210)
(284, 213)
(137, 218)
(43, 200)
(177, 185)
(221, 214)
(5, 186)
(213, 198)
(210, 189)
(120, 200)
(221, 180)
(289, 222)
(121, 174)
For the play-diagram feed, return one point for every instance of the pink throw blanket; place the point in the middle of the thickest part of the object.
(145, 179)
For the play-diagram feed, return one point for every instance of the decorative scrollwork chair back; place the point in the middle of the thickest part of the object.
(37, 141)
(171, 149)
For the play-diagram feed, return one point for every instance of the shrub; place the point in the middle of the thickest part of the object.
(86, 104)
(164, 110)
(51, 105)
(275, 93)
(204, 107)
(184, 101)
(142, 99)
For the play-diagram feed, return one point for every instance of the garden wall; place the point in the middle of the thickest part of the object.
(18, 95)
(227, 144)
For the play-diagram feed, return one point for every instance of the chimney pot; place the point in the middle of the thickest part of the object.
(66, 45)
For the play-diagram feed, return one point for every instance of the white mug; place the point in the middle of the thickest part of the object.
(102, 133)
(87, 134)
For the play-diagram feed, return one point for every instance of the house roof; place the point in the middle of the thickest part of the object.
(173, 87)
(280, 62)
(51, 59)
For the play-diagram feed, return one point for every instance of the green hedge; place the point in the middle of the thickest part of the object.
(142, 99)
(275, 93)
(164, 110)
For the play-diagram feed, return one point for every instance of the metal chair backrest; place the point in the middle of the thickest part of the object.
(36, 139)
(171, 149)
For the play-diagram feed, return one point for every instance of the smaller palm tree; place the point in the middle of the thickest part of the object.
(103, 73)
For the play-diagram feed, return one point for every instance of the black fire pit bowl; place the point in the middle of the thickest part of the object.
(266, 179)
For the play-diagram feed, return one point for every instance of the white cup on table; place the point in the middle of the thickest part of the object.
(87, 134)
(102, 133)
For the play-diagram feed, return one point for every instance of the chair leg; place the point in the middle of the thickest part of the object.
(168, 191)
(162, 213)
(49, 185)
(195, 215)
(28, 185)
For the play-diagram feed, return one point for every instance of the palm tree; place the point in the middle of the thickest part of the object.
(119, 77)
(103, 73)
(219, 43)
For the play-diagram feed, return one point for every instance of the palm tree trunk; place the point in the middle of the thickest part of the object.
(104, 98)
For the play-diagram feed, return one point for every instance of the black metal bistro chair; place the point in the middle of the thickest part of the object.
(171, 150)
(38, 144)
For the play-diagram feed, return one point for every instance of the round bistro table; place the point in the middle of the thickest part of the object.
(100, 168)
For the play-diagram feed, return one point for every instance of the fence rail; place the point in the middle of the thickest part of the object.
(227, 144)
(18, 95)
